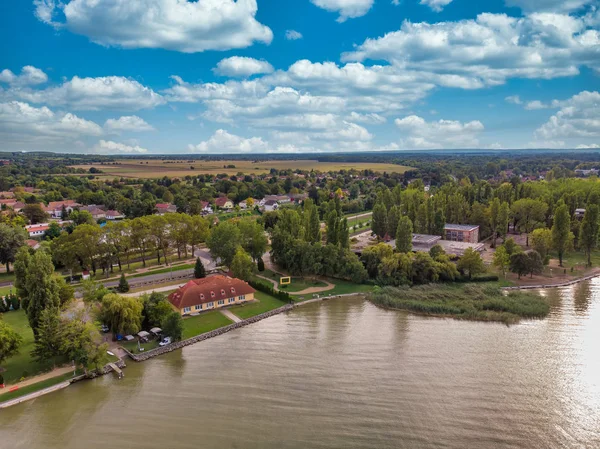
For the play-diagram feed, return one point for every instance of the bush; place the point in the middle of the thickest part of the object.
(260, 265)
(16, 304)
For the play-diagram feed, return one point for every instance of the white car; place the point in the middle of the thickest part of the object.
(165, 341)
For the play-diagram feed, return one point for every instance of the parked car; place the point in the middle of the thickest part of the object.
(165, 341)
(104, 328)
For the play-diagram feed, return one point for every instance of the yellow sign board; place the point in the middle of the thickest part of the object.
(285, 280)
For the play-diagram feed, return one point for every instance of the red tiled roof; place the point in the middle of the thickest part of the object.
(209, 289)
(221, 201)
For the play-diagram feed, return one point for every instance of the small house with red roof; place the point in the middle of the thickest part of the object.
(212, 292)
(224, 203)
(165, 208)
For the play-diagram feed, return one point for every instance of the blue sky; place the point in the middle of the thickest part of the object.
(219, 76)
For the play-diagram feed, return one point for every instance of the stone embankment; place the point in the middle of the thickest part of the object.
(562, 284)
(207, 335)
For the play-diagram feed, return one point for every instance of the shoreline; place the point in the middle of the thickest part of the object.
(561, 284)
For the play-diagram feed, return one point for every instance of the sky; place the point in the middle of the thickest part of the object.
(298, 76)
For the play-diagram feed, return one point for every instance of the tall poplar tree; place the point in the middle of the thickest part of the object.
(404, 235)
(562, 238)
(588, 232)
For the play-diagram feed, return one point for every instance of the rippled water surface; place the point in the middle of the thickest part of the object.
(345, 374)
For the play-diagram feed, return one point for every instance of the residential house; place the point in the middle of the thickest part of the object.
(34, 244)
(206, 207)
(37, 230)
(55, 208)
(7, 195)
(4, 162)
(224, 203)
(114, 215)
(212, 292)
(97, 212)
(461, 233)
(270, 205)
(297, 198)
(165, 208)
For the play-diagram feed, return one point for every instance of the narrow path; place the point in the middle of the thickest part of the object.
(35, 394)
(230, 315)
(275, 283)
(159, 289)
(35, 379)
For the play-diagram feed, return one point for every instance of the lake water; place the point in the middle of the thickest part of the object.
(345, 374)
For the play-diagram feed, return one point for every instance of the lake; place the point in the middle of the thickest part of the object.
(345, 374)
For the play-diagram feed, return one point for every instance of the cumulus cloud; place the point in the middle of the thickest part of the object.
(563, 6)
(29, 76)
(22, 124)
(293, 35)
(578, 118)
(488, 50)
(178, 25)
(347, 9)
(110, 92)
(110, 147)
(586, 147)
(241, 66)
(535, 105)
(441, 134)
(372, 118)
(436, 5)
(514, 99)
(127, 123)
(223, 142)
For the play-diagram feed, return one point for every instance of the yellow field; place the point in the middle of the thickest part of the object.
(157, 169)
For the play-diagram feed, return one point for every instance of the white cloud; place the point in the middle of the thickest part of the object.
(586, 147)
(110, 92)
(563, 6)
(223, 142)
(488, 50)
(293, 35)
(578, 118)
(436, 5)
(348, 9)
(22, 124)
(110, 147)
(29, 76)
(127, 123)
(535, 105)
(242, 66)
(514, 99)
(178, 25)
(372, 118)
(441, 134)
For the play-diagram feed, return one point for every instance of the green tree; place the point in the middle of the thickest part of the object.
(42, 289)
(93, 291)
(253, 237)
(589, 231)
(494, 215)
(471, 263)
(541, 241)
(343, 233)
(11, 239)
(562, 237)
(123, 286)
(156, 308)
(242, 266)
(502, 259)
(519, 263)
(199, 270)
(502, 221)
(10, 341)
(172, 326)
(535, 263)
(223, 242)
(372, 256)
(54, 231)
(22, 261)
(83, 344)
(49, 339)
(528, 213)
(404, 235)
(511, 246)
(379, 220)
(34, 213)
(392, 220)
(332, 228)
(122, 314)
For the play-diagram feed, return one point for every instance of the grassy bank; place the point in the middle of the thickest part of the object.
(22, 364)
(463, 301)
(299, 284)
(34, 387)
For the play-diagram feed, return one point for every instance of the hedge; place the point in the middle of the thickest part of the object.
(268, 288)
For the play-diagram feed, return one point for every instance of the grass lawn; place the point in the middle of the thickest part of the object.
(6, 277)
(173, 269)
(299, 284)
(34, 387)
(342, 288)
(205, 322)
(6, 290)
(263, 304)
(132, 346)
(22, 364)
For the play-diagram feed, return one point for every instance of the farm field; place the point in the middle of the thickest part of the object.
(152, 168)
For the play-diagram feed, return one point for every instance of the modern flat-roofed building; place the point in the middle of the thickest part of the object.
(461, 233)
(212, 292)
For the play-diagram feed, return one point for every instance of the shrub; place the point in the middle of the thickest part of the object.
(16, 304)
(268, 288)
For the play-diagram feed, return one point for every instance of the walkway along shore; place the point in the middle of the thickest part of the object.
(562, 284)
